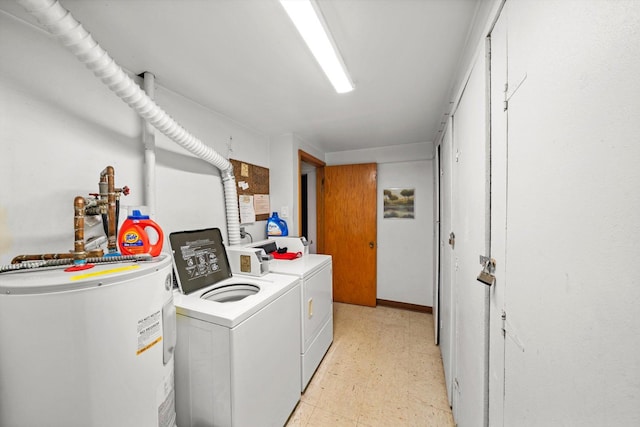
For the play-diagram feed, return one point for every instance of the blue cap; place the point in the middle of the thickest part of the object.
(137, 215)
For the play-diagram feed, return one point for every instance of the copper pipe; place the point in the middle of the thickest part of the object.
(39, 257)
(108, 176)
(79, 254)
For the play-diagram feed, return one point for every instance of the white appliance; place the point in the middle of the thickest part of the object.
(237, 357)
(88, 348)
(316, 299)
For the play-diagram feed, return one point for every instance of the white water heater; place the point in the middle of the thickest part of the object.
(88, 348)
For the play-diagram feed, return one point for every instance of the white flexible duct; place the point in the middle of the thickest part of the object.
(72, 35)
(149, 141)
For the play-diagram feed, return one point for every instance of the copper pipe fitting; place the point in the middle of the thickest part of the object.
(108, 176)
(79, 254)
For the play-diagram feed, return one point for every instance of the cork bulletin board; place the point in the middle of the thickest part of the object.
(256, 179)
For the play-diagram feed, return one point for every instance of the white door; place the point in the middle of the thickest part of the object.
(469, 225)
(445, 306)
(572, 347)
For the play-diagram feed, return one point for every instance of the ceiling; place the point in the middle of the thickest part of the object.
(245, 60)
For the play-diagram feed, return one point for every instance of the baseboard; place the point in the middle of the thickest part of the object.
(405, 306)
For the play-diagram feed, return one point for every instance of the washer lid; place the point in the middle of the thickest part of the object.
(199, 258)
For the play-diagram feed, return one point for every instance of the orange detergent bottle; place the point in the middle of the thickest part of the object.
(133, 238)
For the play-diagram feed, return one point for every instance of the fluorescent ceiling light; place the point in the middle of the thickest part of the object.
(308, 20)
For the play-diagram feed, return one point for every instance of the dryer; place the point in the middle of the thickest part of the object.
(238, 339)
(315, 272)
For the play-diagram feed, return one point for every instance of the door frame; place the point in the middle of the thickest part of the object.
(437, 247)
(303, 156)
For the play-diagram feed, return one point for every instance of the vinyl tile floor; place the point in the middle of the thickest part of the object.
(383, 369)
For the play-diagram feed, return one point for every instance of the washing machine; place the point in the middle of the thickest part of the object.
(88, 348)
(238, 338)
(316, 296)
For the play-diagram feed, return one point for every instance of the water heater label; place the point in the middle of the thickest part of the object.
(165, 397)
(149, 332)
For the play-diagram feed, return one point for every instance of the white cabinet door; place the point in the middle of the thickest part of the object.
(469, 225)
(572, 344)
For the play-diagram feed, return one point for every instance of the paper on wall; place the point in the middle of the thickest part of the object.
(261, 204)
(247, 213)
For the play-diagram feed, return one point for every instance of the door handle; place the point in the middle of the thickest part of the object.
(371, 245)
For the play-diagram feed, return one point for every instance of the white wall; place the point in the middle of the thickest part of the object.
(195, 192)
(283, 180)
(283, 176)
(405, 247)
(60, 127)
(401, 153)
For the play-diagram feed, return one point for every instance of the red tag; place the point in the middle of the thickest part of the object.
(286, 255)
(79, 267)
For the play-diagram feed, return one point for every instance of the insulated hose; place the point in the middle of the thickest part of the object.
(72, 35)
(29, 265)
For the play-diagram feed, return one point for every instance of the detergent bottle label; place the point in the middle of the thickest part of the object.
(132, 238)
(273, 229)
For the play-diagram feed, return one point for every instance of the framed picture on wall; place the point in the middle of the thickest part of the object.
(399, 203)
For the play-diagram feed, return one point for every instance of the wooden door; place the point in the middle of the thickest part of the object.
(350, 222)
